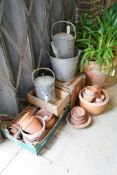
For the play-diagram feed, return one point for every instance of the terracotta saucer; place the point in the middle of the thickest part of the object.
(84, 125)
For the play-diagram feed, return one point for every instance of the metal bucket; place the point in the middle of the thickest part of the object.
(65, 69)
(44, 84)
(64, 42)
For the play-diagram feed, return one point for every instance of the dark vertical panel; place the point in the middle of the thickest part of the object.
(17, 43)
(8, 102)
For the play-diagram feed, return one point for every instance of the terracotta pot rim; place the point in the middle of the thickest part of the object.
(95, 104)
(49, 114)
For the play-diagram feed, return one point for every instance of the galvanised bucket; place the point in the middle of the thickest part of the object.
(65, 69)
(44, 84)
(64, 42)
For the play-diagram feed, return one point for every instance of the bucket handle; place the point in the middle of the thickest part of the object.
(44, 68)
(68, 22)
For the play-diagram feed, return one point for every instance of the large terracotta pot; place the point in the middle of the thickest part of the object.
(93, 108)
(94, 75)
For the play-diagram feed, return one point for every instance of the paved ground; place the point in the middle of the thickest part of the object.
(91, 151)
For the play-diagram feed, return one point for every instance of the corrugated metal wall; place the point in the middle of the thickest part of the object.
(24, 41)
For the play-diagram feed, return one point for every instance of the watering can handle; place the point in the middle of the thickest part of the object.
(44, 68)
(68, 22)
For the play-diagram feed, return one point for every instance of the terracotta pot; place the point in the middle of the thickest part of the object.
(14, 128)
(93, 108)
(78, 112)
(34, 136)
(44, 114)
(78, 122)
(78, 119)
(98, 93)
(30, 124)
(50, 123)
(90, 90)
(35, 141)
(101, 99)
(94, 75)
(78, 126)
(88, 98)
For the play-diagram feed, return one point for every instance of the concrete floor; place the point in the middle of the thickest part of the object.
(91, 151)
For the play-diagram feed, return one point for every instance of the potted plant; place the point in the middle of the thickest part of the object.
(98, 39)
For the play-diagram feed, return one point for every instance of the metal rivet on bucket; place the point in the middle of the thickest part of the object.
(64, 42)
(44, 84)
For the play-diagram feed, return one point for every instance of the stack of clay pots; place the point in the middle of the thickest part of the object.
(78, 118)
(32, 128)
(47, 117)
(93, 99)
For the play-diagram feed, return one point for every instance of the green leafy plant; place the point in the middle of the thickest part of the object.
(98, 39)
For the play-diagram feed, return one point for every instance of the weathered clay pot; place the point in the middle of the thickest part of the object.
(78, 122)
(50, 123)
(94, 108)
(90, 90)
(78, 116)
(78, 112)
(30, 124)
(94, 75)
(100, 99)
(44, 114)
(78, 126)
(87, 97)
(34, 136)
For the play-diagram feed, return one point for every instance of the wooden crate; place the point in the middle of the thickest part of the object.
(38, 147)
(72, 87)
(61, 101)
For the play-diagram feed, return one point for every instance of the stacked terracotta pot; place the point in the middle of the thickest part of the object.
(47, 117)
(32, 128)
(78, 118)
(93, 99)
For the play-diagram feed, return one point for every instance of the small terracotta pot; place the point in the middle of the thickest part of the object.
(101, 99)
(78, 112)
(90, 90)
(50, 123)
(93, 108)
(77, 119)
(44, 114)
(78, 122)
(78, 126)
(30, 124)
(34, 136)
(98, 93)
(88, 98)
